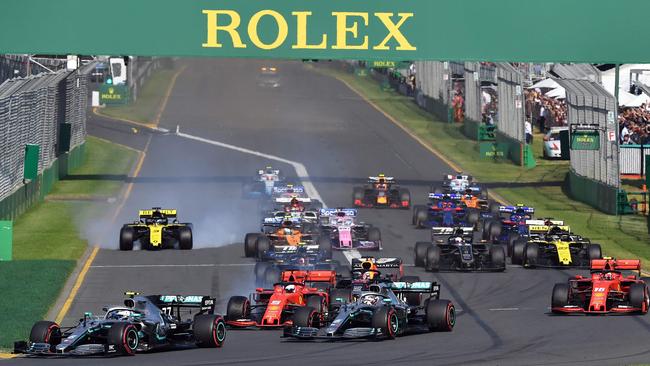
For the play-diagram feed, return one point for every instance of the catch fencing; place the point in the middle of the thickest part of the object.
(140, 69)
(594, 174)
(35, 110)
(13, 66)
(633, 159)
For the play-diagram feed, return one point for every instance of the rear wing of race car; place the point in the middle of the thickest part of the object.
(291, 249)
(422, 287)
(288, 199)
(263, 171)
(616, 264)
(289, 189)
(467, 230)
(386, 179)
(175, 302)
(358, 263)
(329, 212)
(439, 196)
(544, 222)
(457, 176)
(309, 276)
(144, 214)
(512, 209)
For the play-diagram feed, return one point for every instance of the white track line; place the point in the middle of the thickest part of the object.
(173, 265)
(301, 172)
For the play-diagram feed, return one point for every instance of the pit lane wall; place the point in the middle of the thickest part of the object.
(48, 110)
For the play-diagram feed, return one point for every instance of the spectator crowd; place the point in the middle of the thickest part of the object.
(634, 125)
(547, 112)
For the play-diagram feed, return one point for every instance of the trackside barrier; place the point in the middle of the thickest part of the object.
(35, 191)
(597, 194)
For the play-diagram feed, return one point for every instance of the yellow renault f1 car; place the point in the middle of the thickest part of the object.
(156, 229)
(550, 243)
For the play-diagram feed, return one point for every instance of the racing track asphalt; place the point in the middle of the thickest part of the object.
(313, 119)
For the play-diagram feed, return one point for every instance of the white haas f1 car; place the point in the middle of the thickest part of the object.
(345, 233)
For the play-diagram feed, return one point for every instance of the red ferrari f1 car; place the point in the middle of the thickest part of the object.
(275, 307)
(607, 290)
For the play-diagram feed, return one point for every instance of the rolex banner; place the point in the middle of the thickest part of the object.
(113, 94)
(385, 30)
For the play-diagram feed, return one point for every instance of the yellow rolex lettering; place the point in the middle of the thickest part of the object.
(342, 30)
(213, 27)
(394, 32)
(283, 29)
(301, 32)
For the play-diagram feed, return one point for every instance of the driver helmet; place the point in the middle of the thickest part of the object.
(458, 240)
(555, 230)
(609, 276)
(340, 214)
(369, 299)
(290, 289)
(119, 315)
(302, 261)
(520, 212)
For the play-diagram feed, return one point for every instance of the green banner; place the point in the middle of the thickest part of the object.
(113, 94)
(389, 64)
(6, 240)
(493, 150)
(585, 140)
(498, 30)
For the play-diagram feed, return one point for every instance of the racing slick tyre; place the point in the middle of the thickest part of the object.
(358, 195)
(421, 217)
(412, 299)
(432, 262)
(385, 318)
(317, 303)
(485, 233)
(404, 196)
(531, 254)
(416, 208)
(512, 238)
(340, 296)
(343, 272)
(495, 208)
(238, 308)
(498, 258)
(126, 238)
(421, 253)
(46, 332)
(260, 270)
(271, 277)
(639, 297)
(209, 330)
(306, 317)
(440, 315)
(518, 248)
(262, 244)
(185, 241)
(594, 252)
(249, 244)
(560, 296)
(374, 234)
(494, 230)
(124, 337)
(472, 217)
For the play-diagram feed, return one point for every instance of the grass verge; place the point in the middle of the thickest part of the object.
(541, 187)
(47, 242)
(145, 109)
